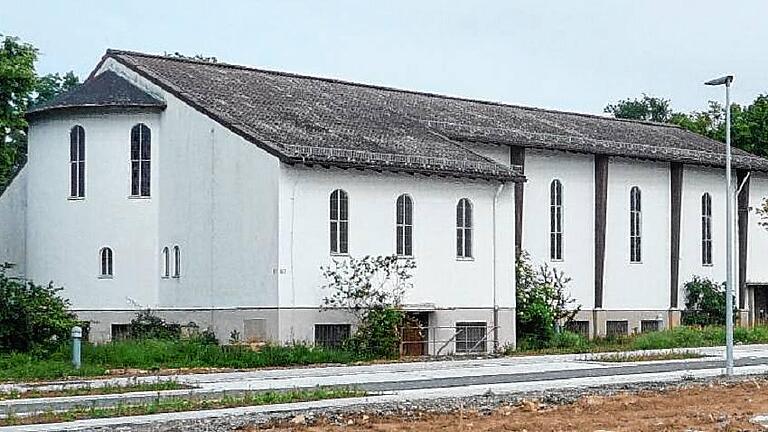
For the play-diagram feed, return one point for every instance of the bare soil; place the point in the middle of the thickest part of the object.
(701, 407)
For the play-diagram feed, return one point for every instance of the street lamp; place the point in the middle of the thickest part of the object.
(726, 80)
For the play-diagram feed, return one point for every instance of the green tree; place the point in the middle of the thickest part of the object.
(49, 86)
(21, 87)
(704, 302)
(17, 83)
(648, 108)
(372, 289)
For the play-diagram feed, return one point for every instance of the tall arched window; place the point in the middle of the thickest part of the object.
(339, 222)
(635, 225)
(464, 229)
(105, 258)
(176, 262)
(77, 162)
(706, 229)
(404, 222)
(556, 220)
(166, 262)
(141, 141)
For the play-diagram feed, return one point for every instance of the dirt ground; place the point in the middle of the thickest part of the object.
(711, 407)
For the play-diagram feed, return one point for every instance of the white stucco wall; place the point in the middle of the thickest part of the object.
(757, 252)
(576, 174)
(440, 280)
(696, 182)
(64, 235)
(218, 202)
(13, 212)
(645, 285)
(496, 152)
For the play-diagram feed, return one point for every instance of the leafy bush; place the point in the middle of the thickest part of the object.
(32, 316)
(543, 302)
(372, 289)
(147, 325)
(379, 333)
(704, 303)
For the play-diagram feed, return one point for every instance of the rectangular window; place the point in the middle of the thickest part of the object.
(471, 337)
(649, 326)
(635, 226)
(556, 220)
(578, 327)
(339, 222)
(141, 145)
(616, 328)
(77, 162)
(120, 332)
(706, 229)
(331, 335)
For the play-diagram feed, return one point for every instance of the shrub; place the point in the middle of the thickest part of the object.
(372, 289)
(378, 334)
(704, 302)
(147, 325)
(543, 302)
(32, 316)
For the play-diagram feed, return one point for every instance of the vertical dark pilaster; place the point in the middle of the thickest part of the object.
(743, 222)
(517, 157)
(601, 202)
(675, 193)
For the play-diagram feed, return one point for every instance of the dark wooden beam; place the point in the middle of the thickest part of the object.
(743, 222)
(675, 193)
(601, 203)
(517, 157)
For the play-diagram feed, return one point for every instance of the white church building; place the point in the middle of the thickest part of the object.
(214, 193)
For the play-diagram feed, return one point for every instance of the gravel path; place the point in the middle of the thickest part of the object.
(409, 409)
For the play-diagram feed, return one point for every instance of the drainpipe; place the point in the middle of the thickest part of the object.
(493, 263)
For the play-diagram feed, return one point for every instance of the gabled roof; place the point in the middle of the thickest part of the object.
(327, 121)
(106, 90)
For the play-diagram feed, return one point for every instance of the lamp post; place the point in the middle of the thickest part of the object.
(726, 80)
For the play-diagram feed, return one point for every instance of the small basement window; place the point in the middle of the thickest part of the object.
(616, 328)
(120, 332)
(578, 327)
(332, 335)
(471, 337)
(649, 326)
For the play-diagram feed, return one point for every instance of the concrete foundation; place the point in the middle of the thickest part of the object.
(298, 324)
(601, 322)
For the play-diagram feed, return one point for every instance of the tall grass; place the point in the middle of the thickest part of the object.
(678, 337)
(163, 354)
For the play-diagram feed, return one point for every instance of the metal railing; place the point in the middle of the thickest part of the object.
(435, 339)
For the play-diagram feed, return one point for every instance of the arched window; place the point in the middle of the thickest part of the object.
(166, 262)
(556, 220)
(339, 222)
(404, 223)
(141, 140)
(105, 258)
(706, 229)
(464, 229)
(176, 262)
(77, 162)
(635, 225)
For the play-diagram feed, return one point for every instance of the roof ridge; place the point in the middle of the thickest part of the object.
(384, 87)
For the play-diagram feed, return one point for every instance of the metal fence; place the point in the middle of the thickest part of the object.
(463, 338)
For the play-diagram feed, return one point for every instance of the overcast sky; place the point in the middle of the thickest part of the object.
(574, 55)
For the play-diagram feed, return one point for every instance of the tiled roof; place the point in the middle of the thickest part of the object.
(106, 90)
(319, 120)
